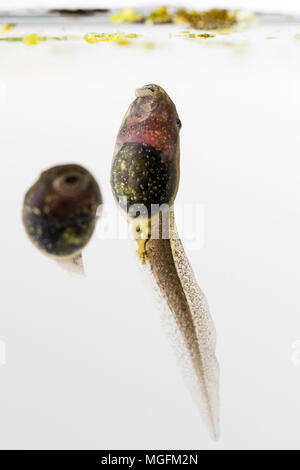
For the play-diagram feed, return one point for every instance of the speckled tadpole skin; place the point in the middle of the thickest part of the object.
(145, 169)
(59, 211)
(144, 175)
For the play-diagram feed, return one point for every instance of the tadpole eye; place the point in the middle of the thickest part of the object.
(72, 179)
(71, 182)
(178, 123)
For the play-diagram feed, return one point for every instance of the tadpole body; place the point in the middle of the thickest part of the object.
(145, 176)
(60, 211)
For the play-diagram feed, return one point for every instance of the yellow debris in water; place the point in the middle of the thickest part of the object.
(205, 35)
(91, 38)
(189, 35)
(7, 27)
(12, 39)
(127, 15)
(149, 45)
(62, 38)
(119, 38)
(159, 16)
(32, 39)
(214, 18)
(122, 42)
(209, 19)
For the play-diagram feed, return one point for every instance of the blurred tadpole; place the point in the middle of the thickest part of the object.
(60, 213)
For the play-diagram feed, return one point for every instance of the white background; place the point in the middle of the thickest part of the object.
(88, 364)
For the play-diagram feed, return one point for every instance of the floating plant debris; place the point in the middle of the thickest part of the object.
(210, 19)
(205, 35)
(7, 27)
(148, 45)
(12, 39)
(127, 15)
(119, 38)
(189, 35)
(160, 16)
(33, 39)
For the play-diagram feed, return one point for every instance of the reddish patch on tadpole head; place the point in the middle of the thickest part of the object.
(153, 120)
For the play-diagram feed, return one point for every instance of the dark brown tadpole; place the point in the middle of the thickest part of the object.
(60, 212)
(145, 168)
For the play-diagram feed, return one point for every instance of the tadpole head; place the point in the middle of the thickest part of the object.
(60, 210)
(152, 118)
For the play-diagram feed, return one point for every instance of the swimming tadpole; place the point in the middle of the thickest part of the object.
(60, 213)
(145, 175)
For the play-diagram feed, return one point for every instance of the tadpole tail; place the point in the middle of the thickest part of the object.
(176, 281)
(73, 265)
